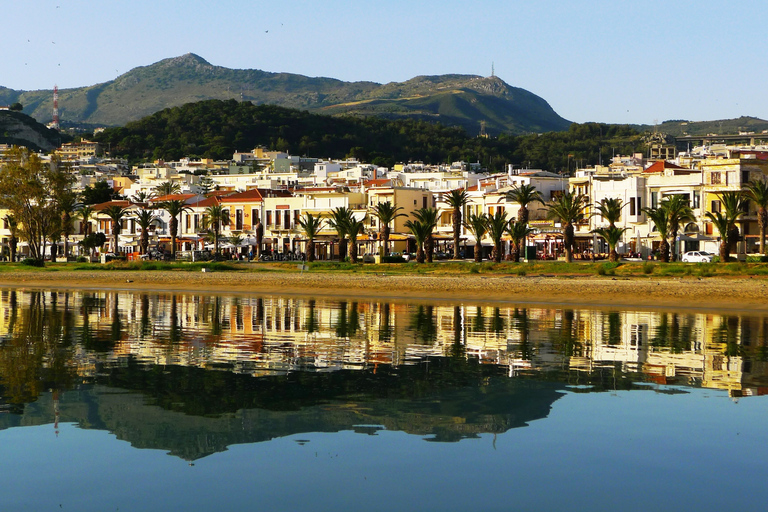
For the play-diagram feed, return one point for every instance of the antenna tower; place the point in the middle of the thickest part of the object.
(493, 71)
(55, 123)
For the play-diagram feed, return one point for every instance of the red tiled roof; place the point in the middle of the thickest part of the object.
(104, 206)
(247, 195)
(660, 165)
(172, 197)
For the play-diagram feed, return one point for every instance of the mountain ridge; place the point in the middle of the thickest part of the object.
(454, 99)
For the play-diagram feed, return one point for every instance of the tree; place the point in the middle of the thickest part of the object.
(757, 192)
(339, 220)
(116, 214)
(678, 211)
(145, 219)
(733, 202)
(421, 232)
(167, 188)
(497, 225)
(142, 197)
(478, 226)
(457, 199)
(92, 241)
(428, 217)
(386, 212)
(13, 241)
(354, 229)
(28, 189)
(311, 226)
(85, 212)
(16, 107)
(660, 220)
(569, 209)
(612, 236)
(174, 207)
(101, 192)
(518, 232)
(214, 217)
(68, 206)
(610, 210)
(524, 195)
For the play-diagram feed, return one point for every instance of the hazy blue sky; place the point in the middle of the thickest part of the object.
(603, 60)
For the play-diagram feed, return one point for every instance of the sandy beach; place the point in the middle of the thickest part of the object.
(714, 293)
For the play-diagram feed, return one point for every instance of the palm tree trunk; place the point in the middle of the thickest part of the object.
(568, 242)
(762, 222)
(724, 251)
(385, 239)
(174, 226)
(613, 256)
(310, 250)
(478, 252)
(456, 232)
(664, 250)
(353, 251)
(429, 248)
(420, 254)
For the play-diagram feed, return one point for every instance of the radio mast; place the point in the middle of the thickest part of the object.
(55, 123)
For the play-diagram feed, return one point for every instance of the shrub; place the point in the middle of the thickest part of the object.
(648, 267)
(82, 259)
(474, 269)
(392, 259)
(33, 262)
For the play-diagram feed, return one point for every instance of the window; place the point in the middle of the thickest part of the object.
(715, 178)
(715, 206)
(632, 206)
(654, 199)
(696, 200)
(269, 217)
(278, 218)
(287, 219)
(744, 177)
(239, 220)
(254, 216)
(424, 202)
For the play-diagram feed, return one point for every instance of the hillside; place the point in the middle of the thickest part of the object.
(459, 100)
(20, 129)
(216, 129)
(680, 127)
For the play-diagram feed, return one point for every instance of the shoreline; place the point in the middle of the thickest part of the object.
(712, 293)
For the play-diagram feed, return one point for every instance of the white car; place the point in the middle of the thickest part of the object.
(697, 257)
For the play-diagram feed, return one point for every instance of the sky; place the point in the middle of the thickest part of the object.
(612, 61)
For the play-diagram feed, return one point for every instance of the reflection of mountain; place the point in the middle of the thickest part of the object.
(436, 400)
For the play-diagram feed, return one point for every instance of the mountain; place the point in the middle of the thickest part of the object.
(17, 128)
(462, 100)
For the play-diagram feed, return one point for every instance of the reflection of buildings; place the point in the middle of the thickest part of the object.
(278, 335)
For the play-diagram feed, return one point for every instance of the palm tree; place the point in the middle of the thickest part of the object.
(386, 212)
(518, 232)
(142, 197)
(13, 226)
(457, 199)
(612, 236)
(660, 219)
(145, 219)
(354, 228)
(236, 239)
(757, 192)
(214, 217)
(524, 195)
(733, 202)
(85, 213)
(497, 224)
(569, 209)
(428, 217)
(311, 226)
(68, 205)
(610, 210)
(678, 211)
(167, 188)
(340, 219)
(174, 207)
(478, 226)
(421, 232)
(116, 214)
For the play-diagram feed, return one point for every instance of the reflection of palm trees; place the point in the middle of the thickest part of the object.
(347, 324)
(520, 322)
(175, 333)
(497, 322)
(117, 325)
(311, 321)
(565, 340)
(478, 325)
(385, 329)
(145, 322)
(458, 349)
(423, 323)
(675, 332)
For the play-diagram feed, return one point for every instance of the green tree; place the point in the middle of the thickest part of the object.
(610, 210)
(421, 232)
(174, 207)
(733, 202)
(660, 220)
(757, 192)
(612, 236)
(386, 212)
(478, 226)
(569, 209)
(145, 219)
(497, 225)
(116, 214)
(518, 232)
(339, 220)
(13, 241)
(679, 211)
(167, 188)
(100, 192)
(68, 206)
(354, 229)
(85, 212)
(427, 217)
(311, 226)
(214, 218)
(457, 200)
(524, 195)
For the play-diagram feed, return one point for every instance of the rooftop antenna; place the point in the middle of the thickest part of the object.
(55, 123)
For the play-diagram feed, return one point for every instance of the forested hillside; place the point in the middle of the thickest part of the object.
(216, 129)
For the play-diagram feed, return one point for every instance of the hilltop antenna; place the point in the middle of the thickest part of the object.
(55, 123)
(493, 71)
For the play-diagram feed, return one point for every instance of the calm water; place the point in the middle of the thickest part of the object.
(134, 401)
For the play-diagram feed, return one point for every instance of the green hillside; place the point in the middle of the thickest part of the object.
(216, 129)
(19, 129)
(679, 127)
(459, 100)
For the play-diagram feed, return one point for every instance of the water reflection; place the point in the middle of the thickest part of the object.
(193, 374)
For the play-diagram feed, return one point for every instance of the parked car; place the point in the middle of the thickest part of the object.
(697, 257)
